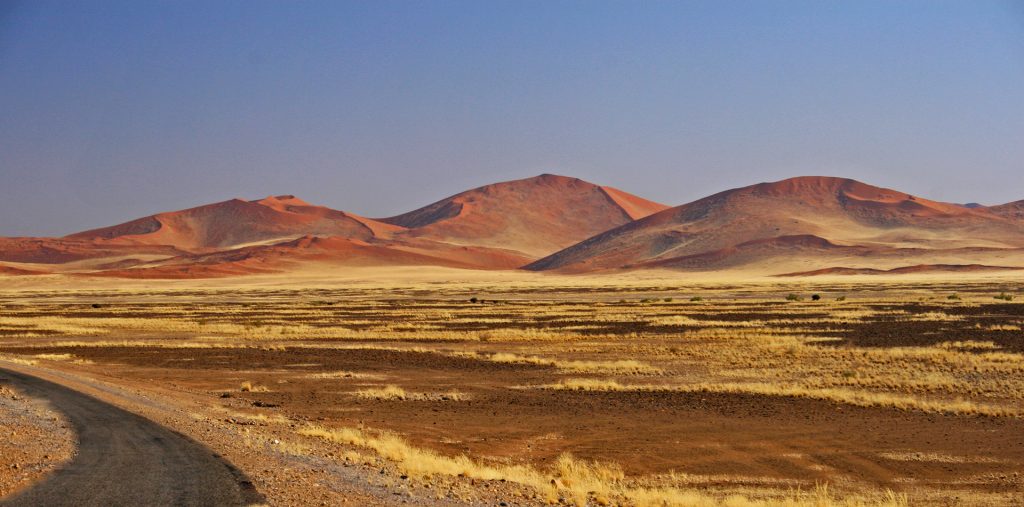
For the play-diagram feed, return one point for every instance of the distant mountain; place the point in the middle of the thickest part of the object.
(813, 219)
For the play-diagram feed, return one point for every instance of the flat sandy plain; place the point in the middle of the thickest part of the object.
(453, 387)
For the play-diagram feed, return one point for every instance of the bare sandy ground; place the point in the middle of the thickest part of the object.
(36, 439)
(327, 277)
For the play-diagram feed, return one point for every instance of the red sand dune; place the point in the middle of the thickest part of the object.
(238, 222)
(841, 212)
(535, 216)
(821, 221)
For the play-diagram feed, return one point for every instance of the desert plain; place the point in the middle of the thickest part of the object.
(456, 387)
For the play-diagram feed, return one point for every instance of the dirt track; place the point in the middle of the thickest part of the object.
(125, 459)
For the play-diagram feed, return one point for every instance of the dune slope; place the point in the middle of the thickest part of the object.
(809, 216)
(535, 216)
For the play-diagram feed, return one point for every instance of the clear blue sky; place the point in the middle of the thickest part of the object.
(114, 110)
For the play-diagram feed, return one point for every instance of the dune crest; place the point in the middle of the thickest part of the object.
(232, 223)
(534, 216)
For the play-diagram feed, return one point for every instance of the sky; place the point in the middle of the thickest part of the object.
(111, 111)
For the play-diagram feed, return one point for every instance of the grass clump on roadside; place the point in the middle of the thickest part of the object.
(19, 360)
(249, 387)
(386, 393)
(621, 367)
(338, 375)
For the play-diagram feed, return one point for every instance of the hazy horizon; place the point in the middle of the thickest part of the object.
(117, 110)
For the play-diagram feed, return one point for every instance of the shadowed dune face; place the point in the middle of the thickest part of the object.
(52, 251)
(779, 219)
(1012, 210)
(535, 216)
(7, 270)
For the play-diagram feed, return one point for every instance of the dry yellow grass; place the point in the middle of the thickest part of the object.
(581, 481)
(395, 393)
(249, 387)
(622, 367)
(19, 360)
(55, 357)
(386, 393)
(338, 375)
(934, 317)
(1004, 327)
(63, 357)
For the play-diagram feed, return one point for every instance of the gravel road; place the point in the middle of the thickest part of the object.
(125, 459)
